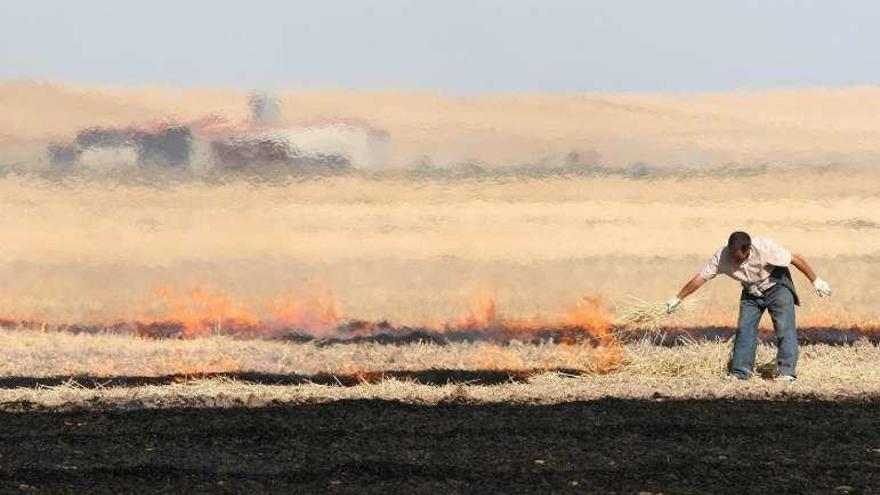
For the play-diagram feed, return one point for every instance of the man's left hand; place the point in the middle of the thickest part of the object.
(822, 287)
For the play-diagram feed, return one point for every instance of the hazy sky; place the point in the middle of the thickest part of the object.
(458, 46)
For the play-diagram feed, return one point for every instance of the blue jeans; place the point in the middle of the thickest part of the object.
(779, 302)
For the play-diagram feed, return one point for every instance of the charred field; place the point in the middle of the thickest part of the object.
(98, 412)
(374, 446)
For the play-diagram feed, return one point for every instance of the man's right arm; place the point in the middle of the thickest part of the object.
(688, 289)
(710, 269)
(692, 285)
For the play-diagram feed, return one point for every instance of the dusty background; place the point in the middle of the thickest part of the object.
(797, 127)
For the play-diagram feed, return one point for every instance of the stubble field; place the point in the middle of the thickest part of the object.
(110, 413)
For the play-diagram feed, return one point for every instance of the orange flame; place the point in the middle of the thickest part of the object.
(200, 310)
(481, 312)
(589, 318)
(591, 314)
(316, 310)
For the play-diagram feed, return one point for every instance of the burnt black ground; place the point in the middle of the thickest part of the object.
(386, 333)
(607, 446)
(436, 376)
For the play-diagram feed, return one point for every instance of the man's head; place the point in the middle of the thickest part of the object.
(739, 245)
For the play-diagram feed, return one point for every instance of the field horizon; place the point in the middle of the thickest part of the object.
(796, 127)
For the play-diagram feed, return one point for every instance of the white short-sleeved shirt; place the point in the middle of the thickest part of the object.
(754, 271)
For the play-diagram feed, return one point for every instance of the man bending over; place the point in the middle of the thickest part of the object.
(761, 266)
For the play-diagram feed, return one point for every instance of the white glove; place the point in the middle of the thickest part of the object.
(672, 305)
(822, 287)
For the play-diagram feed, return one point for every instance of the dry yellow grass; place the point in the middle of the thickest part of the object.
(693, 370)
(638, 314)
(117, 223)
(417, 252)
(36, 354)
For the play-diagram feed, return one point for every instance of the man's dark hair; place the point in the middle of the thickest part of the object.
(739, 241)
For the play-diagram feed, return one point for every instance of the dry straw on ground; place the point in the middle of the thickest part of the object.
(692, 370)
(641, 314)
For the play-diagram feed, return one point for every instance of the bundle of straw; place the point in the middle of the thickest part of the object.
(639, 314)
